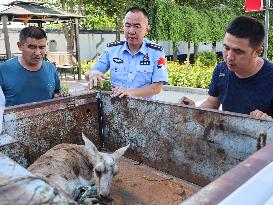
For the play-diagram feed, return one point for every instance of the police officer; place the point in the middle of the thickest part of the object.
(137, 66)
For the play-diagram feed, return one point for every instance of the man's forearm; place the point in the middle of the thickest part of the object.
(148, 90)
(211, 102)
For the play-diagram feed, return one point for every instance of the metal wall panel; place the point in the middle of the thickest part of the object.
(40, 126)
(197, 145)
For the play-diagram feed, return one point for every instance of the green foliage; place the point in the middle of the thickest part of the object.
(86, 65)
(53, 26)
(270, 46)
(199, 4)
(206, 58)
(186, 22)
(106, 86)
(64, 88)
(193, 21)
(97, 19)
(166, 21)
(189, 75)
(193, 25)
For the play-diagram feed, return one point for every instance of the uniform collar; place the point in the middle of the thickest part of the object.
(143, 48)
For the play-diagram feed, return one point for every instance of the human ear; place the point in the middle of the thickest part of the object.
(147, 29)
(259, 50)
(19, 45)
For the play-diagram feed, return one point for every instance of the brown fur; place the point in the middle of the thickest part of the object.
(68, 166)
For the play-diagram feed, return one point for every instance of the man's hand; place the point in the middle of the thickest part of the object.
(93, 76)
(120, 92)
(260, 115)
(61, 94)
(186, 101)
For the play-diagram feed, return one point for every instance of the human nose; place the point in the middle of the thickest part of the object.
(230, 55)
(131, 29)
(38, 51)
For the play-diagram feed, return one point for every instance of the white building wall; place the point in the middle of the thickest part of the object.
(92, 44)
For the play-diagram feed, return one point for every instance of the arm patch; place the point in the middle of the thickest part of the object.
(154, 46)
(116, 43)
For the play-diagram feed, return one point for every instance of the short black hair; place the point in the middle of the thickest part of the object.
(247, 27)
(138, 9)
(32, 32)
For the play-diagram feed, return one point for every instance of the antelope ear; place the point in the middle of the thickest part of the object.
(118, 153)
(90, 148)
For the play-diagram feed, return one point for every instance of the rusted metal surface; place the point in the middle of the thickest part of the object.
(40, 126)
(138, 184)
(216, 191)
(197, 145)
(19, 186)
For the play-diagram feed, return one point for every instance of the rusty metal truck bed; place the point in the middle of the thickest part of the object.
(185, 144)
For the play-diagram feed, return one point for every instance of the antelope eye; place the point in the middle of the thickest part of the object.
(98, 173)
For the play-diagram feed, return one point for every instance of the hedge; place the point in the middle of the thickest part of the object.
(186, 75)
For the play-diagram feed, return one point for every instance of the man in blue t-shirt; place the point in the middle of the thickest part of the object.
(243, 83)
(28, 78)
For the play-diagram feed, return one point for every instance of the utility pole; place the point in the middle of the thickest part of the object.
(266, 27)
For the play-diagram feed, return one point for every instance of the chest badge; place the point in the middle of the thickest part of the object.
(146, 60)
(117, 60)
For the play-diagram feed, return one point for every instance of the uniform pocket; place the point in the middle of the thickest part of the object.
(118, 75)
(144, 68)
(117, 68)
(143, 75)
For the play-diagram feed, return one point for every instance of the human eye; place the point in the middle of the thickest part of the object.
(137, 26)
(226, 48)
(42, 47)
(238, 51)
(31, 47)
(127, 25)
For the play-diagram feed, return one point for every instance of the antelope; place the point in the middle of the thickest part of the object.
(68, 166)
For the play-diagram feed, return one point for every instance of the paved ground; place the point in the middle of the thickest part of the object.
(168, 94)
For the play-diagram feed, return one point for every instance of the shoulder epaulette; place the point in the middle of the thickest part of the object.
(154, 46)
(116, 43)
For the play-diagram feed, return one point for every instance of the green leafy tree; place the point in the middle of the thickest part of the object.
(198, 4)
(219, 19)
(193, 27)
(115, 10)
(97, 19)
(71, 6)
(166, 23)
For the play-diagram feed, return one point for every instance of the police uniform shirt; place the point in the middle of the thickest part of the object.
(130, 70)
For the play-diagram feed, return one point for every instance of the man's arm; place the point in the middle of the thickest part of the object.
(96, 73)
(145, 91)
(57, 91)
(211, 102)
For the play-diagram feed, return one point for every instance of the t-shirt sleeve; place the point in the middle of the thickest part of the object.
(213, 89)
(102, 63)
(1, 78)
(160, 73)
(57, 81)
